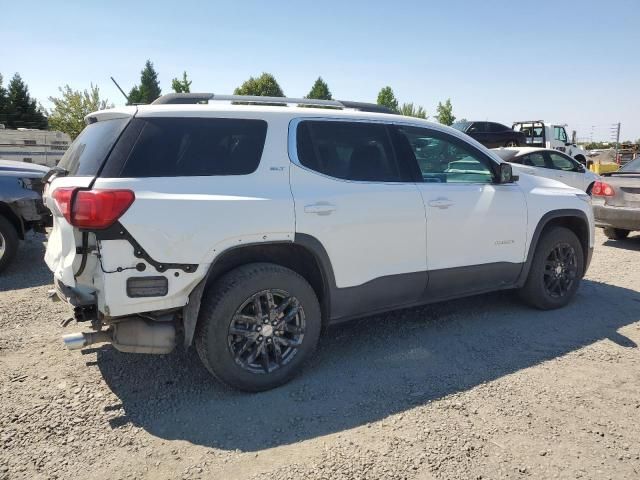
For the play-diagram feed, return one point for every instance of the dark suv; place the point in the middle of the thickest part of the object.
(491, 134)
(21, 207)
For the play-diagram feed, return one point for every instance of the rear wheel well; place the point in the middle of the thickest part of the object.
(577, 225)
(288, 255)
(10, 215)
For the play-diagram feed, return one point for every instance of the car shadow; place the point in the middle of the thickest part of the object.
(364, 370)
(27, 269)
(630, 243)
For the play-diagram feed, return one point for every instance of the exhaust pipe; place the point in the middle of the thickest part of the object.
(76, 341)
(133, 336)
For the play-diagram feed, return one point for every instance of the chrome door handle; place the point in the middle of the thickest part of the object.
(441, 203)
(320, 208)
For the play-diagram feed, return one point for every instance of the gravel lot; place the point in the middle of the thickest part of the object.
(476, 388)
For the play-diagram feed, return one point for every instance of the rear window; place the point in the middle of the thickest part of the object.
(185, 147)
(347, 150)
(87, 152)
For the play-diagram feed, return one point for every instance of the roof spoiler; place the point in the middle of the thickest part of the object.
(195, 98)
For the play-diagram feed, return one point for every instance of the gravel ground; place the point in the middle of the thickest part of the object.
(476, 388)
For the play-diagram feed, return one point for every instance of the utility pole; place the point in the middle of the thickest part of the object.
(616, 129)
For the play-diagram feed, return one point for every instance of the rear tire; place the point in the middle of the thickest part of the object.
(616, 233)
(9, 242)
(258, 325)
(558, 266)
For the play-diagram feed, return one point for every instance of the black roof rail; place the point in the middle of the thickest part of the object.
(366, 107)
(182, 98)
(194, 98)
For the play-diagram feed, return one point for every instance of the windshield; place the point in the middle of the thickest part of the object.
(632, 166)
(89, 150)
(462, 126)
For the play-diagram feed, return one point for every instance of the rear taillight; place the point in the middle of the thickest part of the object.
(602, 189)
(92, 209)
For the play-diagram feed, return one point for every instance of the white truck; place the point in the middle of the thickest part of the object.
(550, 135)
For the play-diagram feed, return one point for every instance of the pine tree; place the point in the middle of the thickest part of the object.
(22, 111)
(181, 86)
(387, 98)
(320, 90)
(149, 88)
(4, 102)
(445, 113)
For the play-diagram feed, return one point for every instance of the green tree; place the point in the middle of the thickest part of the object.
(445, 113)
(149, 88)
(4, 101)
(388, 99)
(20, 110)
(70, 109)
(181, 86)
(320, 90)
(409, 110)
(263, 86)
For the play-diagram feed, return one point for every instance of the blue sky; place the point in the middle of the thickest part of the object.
(570, 61)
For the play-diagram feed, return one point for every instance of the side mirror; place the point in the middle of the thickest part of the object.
(506, 174)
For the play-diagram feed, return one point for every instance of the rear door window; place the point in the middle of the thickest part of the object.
(560, 162)
(88, 151)
(186, 147)
(347, 150)
(534, 160)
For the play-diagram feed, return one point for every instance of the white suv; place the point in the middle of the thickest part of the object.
(246, 224)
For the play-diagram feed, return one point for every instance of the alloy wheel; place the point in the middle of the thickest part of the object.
(560, 270)
(266, 331)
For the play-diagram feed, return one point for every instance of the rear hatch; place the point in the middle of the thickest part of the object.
(77, 171)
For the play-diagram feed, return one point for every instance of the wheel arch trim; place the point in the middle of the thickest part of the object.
(313, 246)
(542, 224)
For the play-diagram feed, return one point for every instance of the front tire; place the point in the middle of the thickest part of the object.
(258, 325)
(616, 233)
(558, 266)
(9, 242)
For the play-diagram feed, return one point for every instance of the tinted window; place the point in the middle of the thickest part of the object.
(347, 150)
(534, 160)
(560, 162)
(632, 166)
(87, 152)
(496, 127)
(186, 147)
(443, 158)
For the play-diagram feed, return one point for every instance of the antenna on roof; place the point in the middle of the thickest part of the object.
(121, 91)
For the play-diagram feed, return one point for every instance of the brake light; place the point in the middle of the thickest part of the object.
(92, 209)
(602, 189)
(62, 197)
